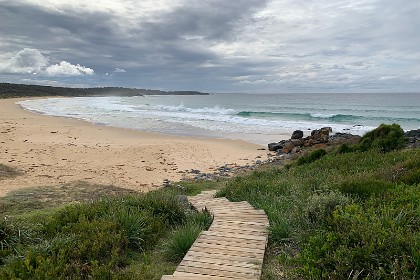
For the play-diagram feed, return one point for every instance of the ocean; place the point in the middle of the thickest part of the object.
(256, 118)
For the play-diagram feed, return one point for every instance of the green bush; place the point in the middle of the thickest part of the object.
(321, 206)
(377, 240)
(92, 240)
(364, 188)
(386, 138)
(344, 149)
(315, 155)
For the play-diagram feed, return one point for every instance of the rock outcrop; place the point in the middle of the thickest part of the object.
(319, 138)
(413, 137)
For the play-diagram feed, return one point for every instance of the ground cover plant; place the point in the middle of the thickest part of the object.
(346, 215)
(119, 237)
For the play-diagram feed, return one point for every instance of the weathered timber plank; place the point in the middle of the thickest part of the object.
(227, 248)
(223, 256)
(234, 235)
(234, 241)
(244, 228)
(254, 255)
(220, 267)
(213, 272)
(220, 241)
(216, 261)
(187, 274)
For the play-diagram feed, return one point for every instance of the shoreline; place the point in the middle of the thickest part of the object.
(52, 150)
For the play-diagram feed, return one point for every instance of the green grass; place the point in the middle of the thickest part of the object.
(314, 208)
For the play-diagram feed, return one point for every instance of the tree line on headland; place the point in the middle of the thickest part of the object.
(8, 90)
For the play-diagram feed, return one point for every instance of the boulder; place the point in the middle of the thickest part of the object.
(413, 137)
(275, 146)
(321, 135)
(297, 142)
(288, 147)
(297, 134)
(413, 133)
(343, 138)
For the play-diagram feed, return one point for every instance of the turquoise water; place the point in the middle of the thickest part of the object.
(258, 118)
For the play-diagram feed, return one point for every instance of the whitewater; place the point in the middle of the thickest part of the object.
(257, 118)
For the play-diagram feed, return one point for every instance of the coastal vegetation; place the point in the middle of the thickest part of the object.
(8, 90)
(341, 213)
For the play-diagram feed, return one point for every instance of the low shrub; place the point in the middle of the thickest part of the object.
(321, 206)
(344, 149)
(93, 240)
(315, 155)
(364, 188)
(386, 138)
(377, 240)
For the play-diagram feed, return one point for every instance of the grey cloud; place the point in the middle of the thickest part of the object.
(267, 45)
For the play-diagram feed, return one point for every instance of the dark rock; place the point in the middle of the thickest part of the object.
(343, 138)
(288, 147)
(297, 142)
(413, 137)
(321, 135)
(275, 146)
(413, 133)
(297, 134)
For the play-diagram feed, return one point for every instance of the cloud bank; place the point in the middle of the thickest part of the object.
(32, 61)
(215, 45)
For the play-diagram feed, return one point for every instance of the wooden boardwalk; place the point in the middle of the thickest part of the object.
(232, 248)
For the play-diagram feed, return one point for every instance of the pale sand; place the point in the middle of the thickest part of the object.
(52, 150)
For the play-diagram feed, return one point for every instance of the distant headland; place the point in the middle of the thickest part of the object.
(8, 90)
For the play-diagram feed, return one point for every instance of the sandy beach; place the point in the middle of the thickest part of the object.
(53, 150)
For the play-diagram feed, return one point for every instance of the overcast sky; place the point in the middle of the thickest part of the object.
(214, 45)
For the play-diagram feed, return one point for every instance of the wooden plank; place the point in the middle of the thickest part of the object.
(227, 248)
(244, 228)
(234, 235)
(213, 272)
(219, 267)
(241, 223)
(233, 253)
(222, 256)
(220, 224)
(203, 276)
(222, 242)
(229, 261)
(233, 241)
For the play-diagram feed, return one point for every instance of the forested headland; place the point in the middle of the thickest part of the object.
(8, 90)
